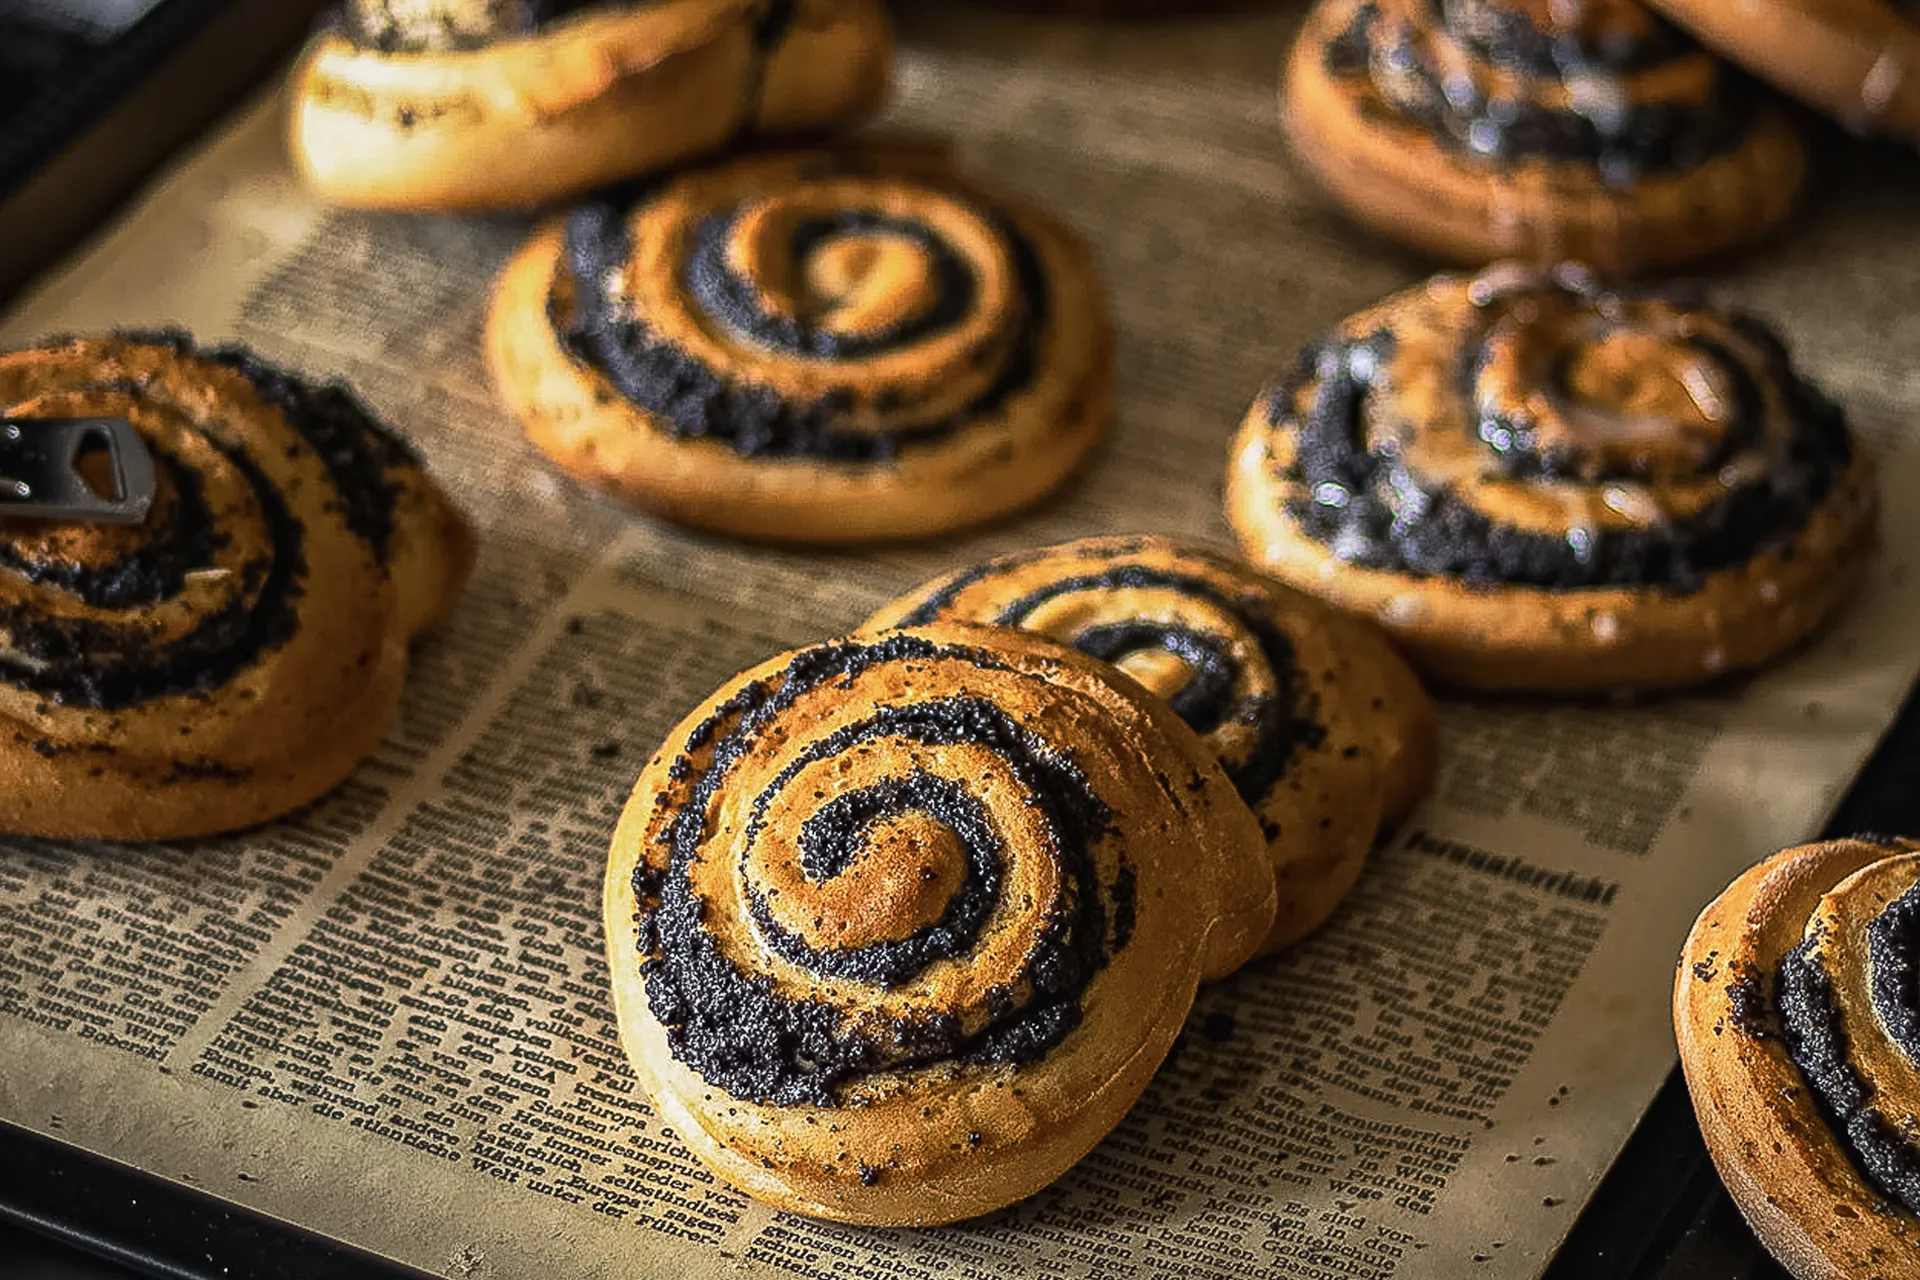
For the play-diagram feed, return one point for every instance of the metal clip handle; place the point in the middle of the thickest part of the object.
(40, 475)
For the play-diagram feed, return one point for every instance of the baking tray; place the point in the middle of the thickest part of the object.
(96, 94)
(104, 109)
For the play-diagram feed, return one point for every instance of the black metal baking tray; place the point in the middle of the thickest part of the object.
(96, 94)
(152, 1227)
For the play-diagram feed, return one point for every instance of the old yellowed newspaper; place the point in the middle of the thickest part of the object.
(387, 1018)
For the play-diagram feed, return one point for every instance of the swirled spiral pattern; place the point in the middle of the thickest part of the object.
(900, 926)
(237, 652)
(1627, 465)
(809, 347)
(1482, 128)
(1614, 88)
(1320, 726)
(1799, 1023)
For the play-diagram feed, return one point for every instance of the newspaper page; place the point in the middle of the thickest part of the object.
(386, 1018)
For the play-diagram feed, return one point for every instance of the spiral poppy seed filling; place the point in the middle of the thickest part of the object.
(736, 301)
(1360, 488)
(693, 400)
(359, 452)
(149, 573)
(1206, 698)
(83, 663)
(1572, 100)
(1816, 1040)
(103, 665)
(1524, 456)
(1285, 726)
(737, 1030)
(831, 839)
(1892, 941)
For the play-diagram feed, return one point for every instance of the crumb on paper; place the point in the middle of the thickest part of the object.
(467, 1260)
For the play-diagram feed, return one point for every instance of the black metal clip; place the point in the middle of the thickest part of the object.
(89, 470)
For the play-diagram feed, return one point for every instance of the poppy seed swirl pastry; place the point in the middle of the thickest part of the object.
(1483, 129)
(239, 651)
(808, 347)
(1536, 483)
(1798, 1017)
(1321, 727)
(900, 927)
(476, 104)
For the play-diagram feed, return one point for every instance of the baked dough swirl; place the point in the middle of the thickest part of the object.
(1798, 1015)
(809, 347)
(899, 927)
(1480, 129)
(465, 104)
(237, 653)
(1323, 730)
(1537, 483)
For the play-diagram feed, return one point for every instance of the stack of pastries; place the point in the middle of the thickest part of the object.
(850, 342)
(1537, 479)
(901, 924)
(1525, 479)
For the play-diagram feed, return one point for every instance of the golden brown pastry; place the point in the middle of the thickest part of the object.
(809, 347)
(899, 927)
(1537, 483)
(1324, 731)
(465, 104)
(1798, 1015)
(238, 652)
(1856, 60)
(1535, 129)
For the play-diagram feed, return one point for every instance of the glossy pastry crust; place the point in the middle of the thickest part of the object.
(1482, 129)
(899, 927)
(1856, 60)
(469, 104)
(240, 651)
(809, 347)
(1798, 1024)
(1536, 483)
(1324, 731)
